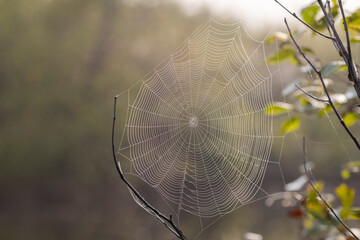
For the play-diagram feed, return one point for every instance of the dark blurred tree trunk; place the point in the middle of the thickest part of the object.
(102, 46)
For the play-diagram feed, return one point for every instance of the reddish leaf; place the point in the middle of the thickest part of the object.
(296, 213)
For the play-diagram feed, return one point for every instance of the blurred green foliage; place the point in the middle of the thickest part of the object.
(318, 222)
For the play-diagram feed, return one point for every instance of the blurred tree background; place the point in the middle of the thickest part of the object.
(61, 64)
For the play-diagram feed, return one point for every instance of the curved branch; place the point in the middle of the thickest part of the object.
(168, 222)
(324, 87)
(309, 176)
(311, 96)
(307, 25)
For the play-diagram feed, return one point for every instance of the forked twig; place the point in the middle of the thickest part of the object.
(311, 96)
(309, 177)
(329, 100)
(346, 30)
(307, 25)
(167, 221)
(334, 36)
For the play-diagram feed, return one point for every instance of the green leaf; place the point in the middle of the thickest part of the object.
(345, 174)
(353, 21)
(316, 209)
(353, 166)
(277, 108)
(354, 213)
(325, 110)
(306, 50)
(333, 67)
(350, 119)
(309, 13)
(346, 196)
(349, 168)
(290, 125)
(312, 195)
(286, 53)
(355, 39)
(304, 102)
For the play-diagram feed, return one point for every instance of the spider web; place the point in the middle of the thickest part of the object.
(195, 127)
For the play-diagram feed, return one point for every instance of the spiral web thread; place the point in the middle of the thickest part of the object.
(196, 130)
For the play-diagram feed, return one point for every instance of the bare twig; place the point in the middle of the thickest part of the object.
(318, 72)
(167, 221)
(345, 54)
(328, 28)
(307, 25)
(309, 177)
(310, 95)
(346, 30)
(338, 41)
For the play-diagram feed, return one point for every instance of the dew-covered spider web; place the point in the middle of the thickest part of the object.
(195, 130)
(195, 127)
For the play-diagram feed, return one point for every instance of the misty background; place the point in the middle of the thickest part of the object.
(62, 62)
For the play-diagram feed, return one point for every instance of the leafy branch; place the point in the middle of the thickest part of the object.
(309, 177)
(328, 22)
(315, 204)
(329, 100)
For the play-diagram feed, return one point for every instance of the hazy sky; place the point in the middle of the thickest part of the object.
(256, 12)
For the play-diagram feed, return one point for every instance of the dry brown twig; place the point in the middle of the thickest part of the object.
(167, 221)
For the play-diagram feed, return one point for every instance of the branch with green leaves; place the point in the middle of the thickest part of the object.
(318, 95)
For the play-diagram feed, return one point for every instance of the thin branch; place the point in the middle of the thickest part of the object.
(328, 28)
(307, 25)
(334, 36)
(345, 54)
(168, 222)
(324, 87)
(310, 95)
(309, 177)
(343, 51)
(330, 12)
(346, 30)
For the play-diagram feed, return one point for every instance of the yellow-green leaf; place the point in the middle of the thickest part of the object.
(354, 213)
(290, 125)
(349, 168)
(350, 119)
(355, 39)
(346, 196)
(354, 20)
(277, 108)
(325, 110)
(345, 174)
(309, 14)
(312, 194)
(286, 53)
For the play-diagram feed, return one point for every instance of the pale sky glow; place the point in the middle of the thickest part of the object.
(256, 12)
